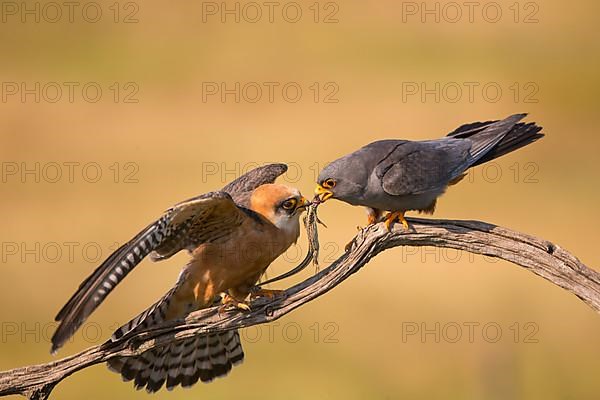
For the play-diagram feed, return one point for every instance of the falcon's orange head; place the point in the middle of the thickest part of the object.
(280, 204)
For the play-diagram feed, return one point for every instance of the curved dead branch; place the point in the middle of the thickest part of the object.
(541, 257)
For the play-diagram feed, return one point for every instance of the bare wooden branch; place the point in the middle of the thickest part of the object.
(541, 257)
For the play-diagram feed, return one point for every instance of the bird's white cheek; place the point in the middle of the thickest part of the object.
(290, 224)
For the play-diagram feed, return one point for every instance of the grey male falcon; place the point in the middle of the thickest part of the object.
(402, 175)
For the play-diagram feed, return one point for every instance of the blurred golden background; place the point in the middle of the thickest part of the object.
(107, 119)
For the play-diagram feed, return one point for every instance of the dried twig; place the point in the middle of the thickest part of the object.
(539, 256)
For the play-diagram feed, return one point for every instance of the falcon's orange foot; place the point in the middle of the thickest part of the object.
(396, 216)
(270, 293)
(229, 301)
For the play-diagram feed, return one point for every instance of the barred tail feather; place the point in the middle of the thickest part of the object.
(184, 362)
(92, 292)
(155, 314)
(152, 316)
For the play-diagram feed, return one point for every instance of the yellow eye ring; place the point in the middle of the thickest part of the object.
(329, 184)
(289, 204)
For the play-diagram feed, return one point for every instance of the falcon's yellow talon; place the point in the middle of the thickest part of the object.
(230, 301)
(403, 221)
(393, 216)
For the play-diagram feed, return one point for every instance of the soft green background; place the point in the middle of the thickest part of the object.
(171, 135)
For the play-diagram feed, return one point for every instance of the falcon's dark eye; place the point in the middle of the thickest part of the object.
(329, 184)
(289, 204)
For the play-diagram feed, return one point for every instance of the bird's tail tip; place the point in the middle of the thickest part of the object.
(520, 135)
(57, 343)
(182, 363)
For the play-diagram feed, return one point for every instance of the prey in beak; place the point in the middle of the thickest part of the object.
(322, 194)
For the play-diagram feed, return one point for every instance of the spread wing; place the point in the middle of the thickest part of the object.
(241, 188)
(202, 219)
(420, 167)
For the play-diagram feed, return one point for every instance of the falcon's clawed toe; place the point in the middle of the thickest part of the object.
(229, 302)
(396, 216)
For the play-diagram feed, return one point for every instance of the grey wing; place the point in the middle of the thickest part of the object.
(421, 167)
(202, 219)
(241, 188)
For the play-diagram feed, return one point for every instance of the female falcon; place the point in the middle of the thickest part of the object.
(232, 235)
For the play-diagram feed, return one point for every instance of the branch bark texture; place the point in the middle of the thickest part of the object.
(541, 257)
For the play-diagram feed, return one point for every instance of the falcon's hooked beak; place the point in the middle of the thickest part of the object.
(322, 194)
(302, 204)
